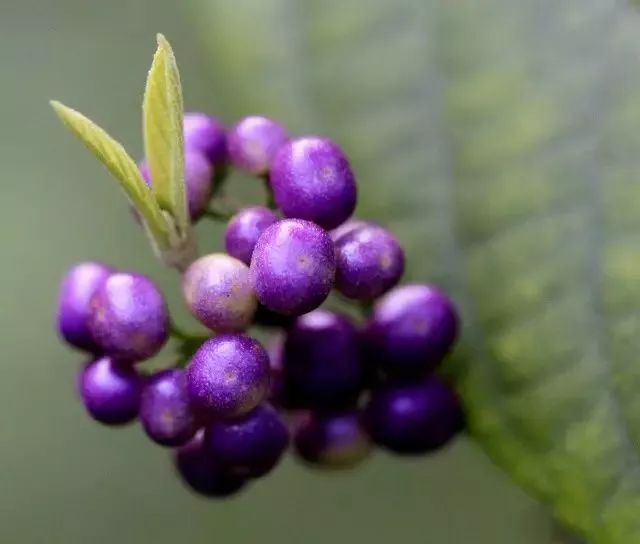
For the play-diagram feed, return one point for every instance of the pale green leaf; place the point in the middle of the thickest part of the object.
(113, 155)
(163, 133)
(501, 140)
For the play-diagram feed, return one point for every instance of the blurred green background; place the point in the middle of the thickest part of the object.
(64, 479)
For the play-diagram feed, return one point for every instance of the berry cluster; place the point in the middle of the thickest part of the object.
(329, 385)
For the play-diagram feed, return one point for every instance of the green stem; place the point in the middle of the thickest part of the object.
(180, 334)
(271, 201)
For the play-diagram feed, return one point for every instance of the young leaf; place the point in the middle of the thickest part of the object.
(163, 137)
(121, 165)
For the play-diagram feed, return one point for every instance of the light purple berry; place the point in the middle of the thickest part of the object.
(253, 142)
(198, 176)
(78, 286)
(206, 134)
(244, 229)
(293, 267)
(165, 409)
(369, 262)
(228, 376)
(311, 179)
(219, 292)
(110, 391)
(347, 227)
(129, 317)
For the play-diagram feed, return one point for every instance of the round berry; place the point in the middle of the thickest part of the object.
(253, 142)
(165, 410)
(207, 135)
(347, 227)
(293, 267)
(219, 292)
(129, 317)
(412, 328)
(228, 376)
(78, 286)
(332, 440)
(414, 418)
(369, 262)
(311, 179)
(110, 391)
(250, 446)
(322, 365)
(202, 473)
(198, 177)
(244, 229)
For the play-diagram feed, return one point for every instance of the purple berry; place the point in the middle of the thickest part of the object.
(165, 410)
(311, 179)
(110, 391)
(244, 229)
(207, 135)
(275, 350)
(228, 376)
(219, 293)
(414, 418)
(253, 142)
(332, 440)
(293, 267)
(250, 446)
(129, 318)
(322, 365)
(78, 286)
(347, 227)
(412, 328)
(202, 473)
(369, 262)
(198, 176)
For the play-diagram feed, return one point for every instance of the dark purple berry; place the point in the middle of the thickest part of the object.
(250, 446)
(219, 292)
(110, 391)
(332, 440)
(275, 350)
(322, 364)
(207, 135)
(202, 473)
(412, 328)
(253, 142)
(293, 267)
(244, 229)
(228, 376)
(369, 262)
(311, 179)
(165, 409)
(347, 227)
(78, 286)
(414, 418)
(198, 177)
(129, 318)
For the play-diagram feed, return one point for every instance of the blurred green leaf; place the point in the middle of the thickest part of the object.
(163, 133)
(111, 153)
(500, 140)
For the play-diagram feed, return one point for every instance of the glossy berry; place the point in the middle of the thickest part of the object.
(202, 473)
(228, 376)
(78, 286)
(129, 318)
(219, 293)
(244, 229)
(293, 267)
(414, 418)
(322, 365)
(412, 328)
(249, 446)
(253, 142)
(311, 179)
(332, 440)
(207, 135)
(165, 409)
(198, 177)
(369, 262)
(110, 391)
(347, 227)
